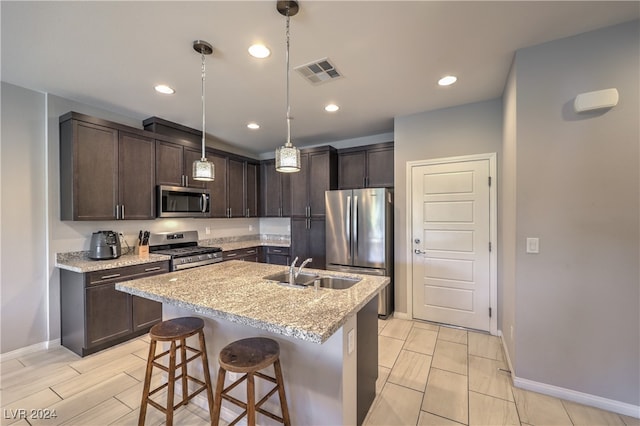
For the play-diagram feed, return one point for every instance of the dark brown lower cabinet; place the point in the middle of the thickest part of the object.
(249, 254)
(277, 255)
(94, 315)
(308, 240)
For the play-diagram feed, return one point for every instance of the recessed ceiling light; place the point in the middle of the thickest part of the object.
(259, 51)
(447, 80)
(331, 108)
(253, 126)
(164, 89)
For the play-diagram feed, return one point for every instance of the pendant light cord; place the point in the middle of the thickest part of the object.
(288, 144)
(203, 108)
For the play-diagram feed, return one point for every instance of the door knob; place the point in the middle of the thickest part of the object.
(418, 251)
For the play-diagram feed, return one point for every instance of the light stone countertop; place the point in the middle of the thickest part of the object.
(227, 245)
(235, 291)
(78, 261)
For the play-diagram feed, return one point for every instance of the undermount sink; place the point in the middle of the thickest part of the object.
(283, 277)
(307, 280)
(338, 283)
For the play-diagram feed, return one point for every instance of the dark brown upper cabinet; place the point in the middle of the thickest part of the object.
(369, 166)
(319, 173)
(219, 187)
(275, 194)
(106, 172)
(234, 192)
(174, 164)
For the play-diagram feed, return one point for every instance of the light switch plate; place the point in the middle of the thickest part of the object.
(533, 245)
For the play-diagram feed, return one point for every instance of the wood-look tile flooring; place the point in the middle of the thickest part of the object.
(428, 375)
(436, 375)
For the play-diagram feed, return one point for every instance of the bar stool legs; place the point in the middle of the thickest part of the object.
(173, 331)
(249, 356)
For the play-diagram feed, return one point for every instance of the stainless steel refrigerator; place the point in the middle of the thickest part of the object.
(359, 229)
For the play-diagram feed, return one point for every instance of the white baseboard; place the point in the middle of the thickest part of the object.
(402, 315)
(579, 397)
(569, 394)
(30, 349)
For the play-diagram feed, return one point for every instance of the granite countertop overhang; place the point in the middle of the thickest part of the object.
(235, 291)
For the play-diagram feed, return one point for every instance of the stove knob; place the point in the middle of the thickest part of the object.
(200, 257)
(183, 261)
(210, 256)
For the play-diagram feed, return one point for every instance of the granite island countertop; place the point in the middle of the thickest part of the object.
(79, 261)
(235, 291)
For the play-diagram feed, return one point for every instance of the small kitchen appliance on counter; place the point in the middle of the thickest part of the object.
(184, 249)
(105, 245)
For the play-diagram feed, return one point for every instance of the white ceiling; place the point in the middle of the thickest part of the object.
(391, 53)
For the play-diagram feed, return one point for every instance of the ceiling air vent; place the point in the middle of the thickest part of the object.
(319, 71)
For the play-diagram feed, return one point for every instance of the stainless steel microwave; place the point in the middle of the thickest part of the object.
(178, 201)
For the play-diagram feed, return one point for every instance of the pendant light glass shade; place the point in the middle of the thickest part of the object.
(287, 156)
(288, 159)
(203, 169)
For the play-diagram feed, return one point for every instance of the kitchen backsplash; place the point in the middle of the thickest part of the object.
(76, 236)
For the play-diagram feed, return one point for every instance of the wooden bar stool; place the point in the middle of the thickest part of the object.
(249, 356)
(175, 330)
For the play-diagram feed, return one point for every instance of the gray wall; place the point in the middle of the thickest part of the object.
(23, 271)
(507, 217)
(578, 190)
(463, 130)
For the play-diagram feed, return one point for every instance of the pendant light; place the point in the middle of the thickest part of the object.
(288, 156)
(203, 169)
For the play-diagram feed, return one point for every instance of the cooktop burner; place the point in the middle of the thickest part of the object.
(188, 251)
(184, 249)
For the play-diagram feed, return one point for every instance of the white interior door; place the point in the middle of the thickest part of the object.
(451, 243)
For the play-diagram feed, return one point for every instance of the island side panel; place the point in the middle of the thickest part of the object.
(320, 379)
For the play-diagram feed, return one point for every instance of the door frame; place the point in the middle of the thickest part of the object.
(493, 228)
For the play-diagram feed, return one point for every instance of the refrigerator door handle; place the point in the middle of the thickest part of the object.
(348, 226)
(355, 227)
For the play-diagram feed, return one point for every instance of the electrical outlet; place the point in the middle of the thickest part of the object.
(511, 332)
(207, 230)
(250, 227)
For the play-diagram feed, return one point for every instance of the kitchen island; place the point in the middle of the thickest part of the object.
(328, 338)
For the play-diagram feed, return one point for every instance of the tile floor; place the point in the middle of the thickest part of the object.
(436, 375)
(428, 375)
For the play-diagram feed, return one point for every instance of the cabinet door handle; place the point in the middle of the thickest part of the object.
(251, 251)
(280, 211)
(186, 180)
(157, 268)
(117, 211)
(277, 251)
(122, 214)
(107, 277)
(248, 214)
(232, 254)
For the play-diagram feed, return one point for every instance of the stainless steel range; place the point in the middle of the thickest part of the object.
(184, 249)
